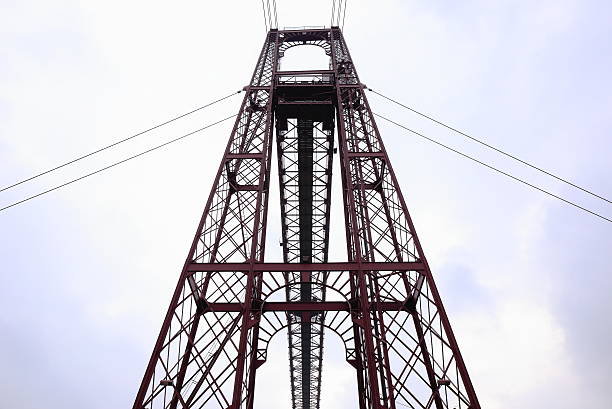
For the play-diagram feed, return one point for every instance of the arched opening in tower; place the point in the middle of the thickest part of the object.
(304, 57)
(273, 383)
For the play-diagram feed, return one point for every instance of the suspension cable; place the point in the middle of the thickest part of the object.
(343, 15)
(336, 13)
(117, 143)
(492, 147)
(263, 7)
(331, 22)
(493, 168)
(269, 13)
(275, 15)
(116, 163)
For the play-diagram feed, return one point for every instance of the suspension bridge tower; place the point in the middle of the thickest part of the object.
(381, 301)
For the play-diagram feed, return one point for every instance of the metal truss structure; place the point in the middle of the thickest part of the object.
(382, 302)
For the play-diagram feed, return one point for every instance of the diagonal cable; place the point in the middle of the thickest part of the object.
(275, 15)
(118, 142)
(344, 15)
(269, 13)
(116, 163)
(335, 18)
(491, 147)
(263, 7)
(494, 168)
(331, 23)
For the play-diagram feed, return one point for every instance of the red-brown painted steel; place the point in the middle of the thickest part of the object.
(382, 302)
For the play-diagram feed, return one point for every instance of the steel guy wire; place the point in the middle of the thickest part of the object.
(275, 15)
(494, 168)
(263, 7)
(331, 22)
(118, 142)
(116, 163)
(492, 147)
(338, 11)
(336, 14)
(343, 15)
(269, 14)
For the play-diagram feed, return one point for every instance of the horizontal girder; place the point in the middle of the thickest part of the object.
(286, 267)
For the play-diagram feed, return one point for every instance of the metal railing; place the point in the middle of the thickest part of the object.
(305, 79)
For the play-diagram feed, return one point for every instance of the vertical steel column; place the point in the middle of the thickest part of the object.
(362, 326)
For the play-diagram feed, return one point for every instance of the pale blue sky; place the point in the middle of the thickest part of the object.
(86, 273)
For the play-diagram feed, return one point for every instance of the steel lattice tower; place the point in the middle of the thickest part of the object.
(382, 302)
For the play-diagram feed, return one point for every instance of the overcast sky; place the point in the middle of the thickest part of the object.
(86, 272)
